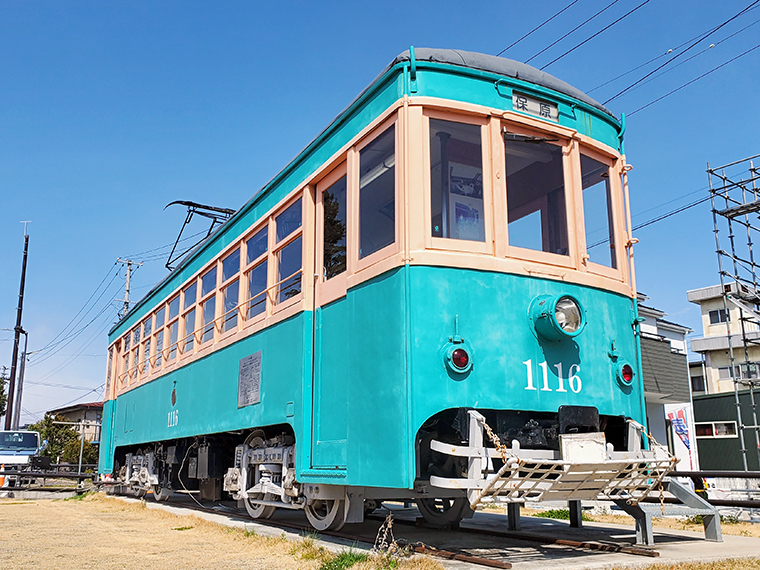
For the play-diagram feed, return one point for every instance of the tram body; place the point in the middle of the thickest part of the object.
(432, 253)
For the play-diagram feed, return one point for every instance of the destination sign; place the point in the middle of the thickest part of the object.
(535, 107)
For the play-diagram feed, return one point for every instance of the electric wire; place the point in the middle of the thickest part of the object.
(165, 246)
(646, 76)
(83, 307)
(604, 29)
(714, 69)
(688, 59)
(647, 62)
(610, 5)
(537, 28)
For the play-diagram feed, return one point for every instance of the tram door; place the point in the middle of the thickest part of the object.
(331, 325)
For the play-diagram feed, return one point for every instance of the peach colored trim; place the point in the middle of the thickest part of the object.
(417, 149)
(518, 267)
(334, 288)
(395, 247)
(448, 244)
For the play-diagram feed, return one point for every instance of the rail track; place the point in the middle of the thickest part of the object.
(464, 544)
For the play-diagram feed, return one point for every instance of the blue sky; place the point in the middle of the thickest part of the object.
(109, 111)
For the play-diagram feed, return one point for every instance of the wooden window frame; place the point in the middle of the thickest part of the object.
(273, 281)
(246, 268)
(454, 244)
(334, 288)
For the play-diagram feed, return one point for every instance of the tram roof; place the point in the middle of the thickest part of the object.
(500, 66)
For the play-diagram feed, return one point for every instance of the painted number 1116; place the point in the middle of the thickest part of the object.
(573, 380)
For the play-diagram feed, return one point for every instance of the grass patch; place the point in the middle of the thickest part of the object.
(79, 497)
(183, 528)
(344, 560)
(724, 519)
(561, 514)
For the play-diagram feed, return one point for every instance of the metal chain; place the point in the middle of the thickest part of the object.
(673, 461)
(500, 447)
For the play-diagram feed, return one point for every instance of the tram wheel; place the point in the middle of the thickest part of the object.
(441, 513)
(161, 494)
(256, 511)
(326, 514)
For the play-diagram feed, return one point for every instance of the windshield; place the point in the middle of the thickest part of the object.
(18, 440)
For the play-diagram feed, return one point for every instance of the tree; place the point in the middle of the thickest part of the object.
(72, 448)
(57, 435)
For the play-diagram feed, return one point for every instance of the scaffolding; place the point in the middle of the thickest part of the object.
(735, 200)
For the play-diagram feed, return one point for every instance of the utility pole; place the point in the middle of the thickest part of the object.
(17, 338)
(20, 390)
(129, 263)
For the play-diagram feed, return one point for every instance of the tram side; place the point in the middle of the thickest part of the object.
(396, 275)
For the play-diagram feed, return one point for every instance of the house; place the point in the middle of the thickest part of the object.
(667, 393)
(87, 416)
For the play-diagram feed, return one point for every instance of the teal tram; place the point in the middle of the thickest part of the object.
(434, 301)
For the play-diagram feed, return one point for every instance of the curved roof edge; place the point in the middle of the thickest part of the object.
(501, 66)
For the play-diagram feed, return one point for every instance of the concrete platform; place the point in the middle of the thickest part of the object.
(672, 546)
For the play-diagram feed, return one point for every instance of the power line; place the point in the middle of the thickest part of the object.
(694, 80)
(632, 85)
(594, 35)
(610, 5)
(537, 28)
(688, 59)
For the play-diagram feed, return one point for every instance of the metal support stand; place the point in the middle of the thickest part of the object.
(576, 514)
(513, 516)
(644, 534)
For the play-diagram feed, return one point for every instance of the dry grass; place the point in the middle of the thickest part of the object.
(106, 533)
(743, 564)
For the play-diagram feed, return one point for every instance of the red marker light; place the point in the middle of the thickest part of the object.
(627, 373)
(460, 358)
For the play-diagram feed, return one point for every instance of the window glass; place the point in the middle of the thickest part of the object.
(257, 284)
(704, 430)
(725, 428)
(535, 195)
(189, 330)
(697, 383)
(597, 212)
(174, 307)
(257, 245)
(160, 318)
(230, 305)
(231, 265)
(288, 264)
(126, 365)
(209, 311)
(190, 294)
(135, 360)
(456, 181)
(208, 282)
(717, 316)
(334, 207)
(173, 333)
(724, 372)
(289, 221)
(377, 194)
(159, 349)
(146, 356)
(147, 327)
(136, 337)
(126, 341)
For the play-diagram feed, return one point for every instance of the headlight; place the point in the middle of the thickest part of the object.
(557, 317)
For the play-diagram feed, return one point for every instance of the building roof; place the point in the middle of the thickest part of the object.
(77, 407)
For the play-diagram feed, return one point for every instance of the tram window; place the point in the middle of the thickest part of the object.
(146, 356)
(597, 211)
(209, 311)
(456, 181)
(257, 245)
(231, 265)
(377, 194)
(230, 300)
(147, 326)
(189, 331)
(136, 338)
(160, 318)
(257, 285)
(289, 221)
(174, 307)
(159, 349)
(173, 333)
(334, 208)
(208, 283)
(190, 294)
(535, 195)
(289, 271)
